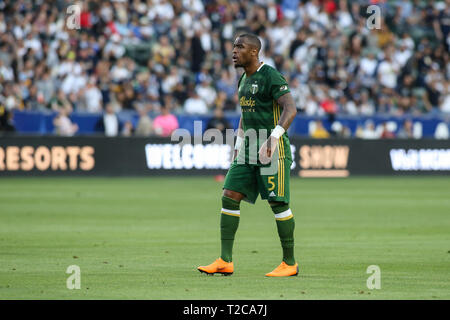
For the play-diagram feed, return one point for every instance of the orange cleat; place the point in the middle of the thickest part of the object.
(218, 266)
(284, 270)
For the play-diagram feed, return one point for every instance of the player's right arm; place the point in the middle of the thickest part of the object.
(240, 130)
(239, 139)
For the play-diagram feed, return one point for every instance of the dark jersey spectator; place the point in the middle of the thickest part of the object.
(218, 122)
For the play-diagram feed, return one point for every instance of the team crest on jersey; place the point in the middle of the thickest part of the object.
(254, 88)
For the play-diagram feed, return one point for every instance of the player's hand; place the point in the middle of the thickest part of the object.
(267, 150)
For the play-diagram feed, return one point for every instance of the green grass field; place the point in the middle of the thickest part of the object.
(143, 238)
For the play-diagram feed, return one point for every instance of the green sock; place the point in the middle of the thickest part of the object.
(229, 222)
(285, 226)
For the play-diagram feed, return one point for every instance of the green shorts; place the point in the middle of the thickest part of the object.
(251, 180)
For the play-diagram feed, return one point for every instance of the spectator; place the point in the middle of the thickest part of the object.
(227, 84)
(445, 104)
(319, 132)
(194, 104)
(340, 131)
(144, 126)
(63, 125)
(442, 131)
(6, 123)
(367, 67)
(128, 129)
(324, 47)
(218, 122)
(387, 131)
(206, 93)
(366, 107)
(109, 123)
(406, 131)
(388, 71)
(369, 132)
(165, 123)
(92, 97)
(59, 101)
(163, 52)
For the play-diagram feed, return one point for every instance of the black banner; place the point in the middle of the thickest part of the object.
(100, 156)
(222, 309)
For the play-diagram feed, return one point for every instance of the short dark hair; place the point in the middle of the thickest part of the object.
(252, 39)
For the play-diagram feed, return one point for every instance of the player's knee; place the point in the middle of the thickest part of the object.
(230, 204)
(236, 196)
(280, 208)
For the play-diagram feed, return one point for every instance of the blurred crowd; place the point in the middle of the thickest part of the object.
(161, 57)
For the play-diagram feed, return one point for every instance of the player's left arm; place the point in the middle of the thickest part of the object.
(286, 102)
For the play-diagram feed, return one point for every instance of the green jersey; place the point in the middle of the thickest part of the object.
(258, 96)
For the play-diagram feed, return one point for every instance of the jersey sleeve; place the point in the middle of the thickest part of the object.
(278, 85)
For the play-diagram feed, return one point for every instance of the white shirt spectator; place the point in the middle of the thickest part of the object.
(111, 124)
(206, 41)
(442, 131)
(119, 73)
(401, 56)
(367, 66)
(163, 9)
(56, 26)
(6, 72)
(300, 94)
(323, 19)
(169, 83)
(73, 83)
(114, 46)
(344, 19)
(63, 126)
(18, 32)
(106, 12)
(312, 9)
(227, 31)
(388, 72)
(272, 13)
(351, 108)
(66, 67)
(34, 44)
(153, 86)
(207, 93)
(408, 42)
(367, 109)
(186, 21)
(94, 99)
(194, 5)
(445, 105)
(312, 107)
(281, 37)
(195, 105)
(370, 133)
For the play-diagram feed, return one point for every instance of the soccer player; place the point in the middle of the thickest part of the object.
(267, 106)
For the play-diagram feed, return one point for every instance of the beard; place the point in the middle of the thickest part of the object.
(238, 65)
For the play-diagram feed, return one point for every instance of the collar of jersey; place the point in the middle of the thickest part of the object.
(262, 64)
(259, 68)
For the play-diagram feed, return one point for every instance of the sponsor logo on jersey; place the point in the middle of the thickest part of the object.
(244, 102)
